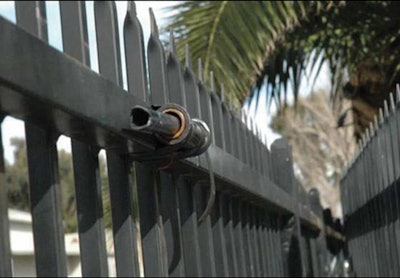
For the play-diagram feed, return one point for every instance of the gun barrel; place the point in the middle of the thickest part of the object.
(145, 119)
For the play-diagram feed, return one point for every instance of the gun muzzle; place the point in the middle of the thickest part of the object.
(172, 126)
(153, 121)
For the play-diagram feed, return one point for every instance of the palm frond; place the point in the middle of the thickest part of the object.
(230, 37)
(251, 44)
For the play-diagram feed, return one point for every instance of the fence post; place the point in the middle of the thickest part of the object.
(283, 176)
(42, 158)
(320, 240)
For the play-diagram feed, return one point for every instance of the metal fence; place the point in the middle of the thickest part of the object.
(262, 223)
(370, 200)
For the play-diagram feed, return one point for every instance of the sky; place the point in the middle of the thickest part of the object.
(15, 128)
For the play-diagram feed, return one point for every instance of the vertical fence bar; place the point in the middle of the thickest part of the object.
(135, 58)
(44, 186)
(217, 116)
(283, 174)
(147, 177)
(366, 242)
(255, 141)
(238, 237)
(261, 243)
(190, 234)
(118, 165)
(216, 215)
(254, 241)
(394, 131)
(227, 123)
(360, 244)
(320, 239)
(279, 246)
(314, 258)
(376, 206)
(260, 153)
(367, 211)
(231, 250)
(85, 158)
(371, 211)
(5, 248)
(272, 245)
(391, 189)
(220, 254)
(386, 201)
(359, 224)
(205, 234)
(348, 225)
(200, 193)
(249, 144)
(248, 255)
(238, 134)
(276, 242)
(267, 245)
(149, 215)
(243, 133)
(205, 104)
(170, 201)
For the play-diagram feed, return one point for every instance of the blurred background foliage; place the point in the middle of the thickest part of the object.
(18, 190)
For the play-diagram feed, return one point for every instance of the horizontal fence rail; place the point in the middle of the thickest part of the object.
(261, 223)
(369, 192)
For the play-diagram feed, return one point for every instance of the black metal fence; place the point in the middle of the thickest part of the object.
(261, 224)
(370, 197)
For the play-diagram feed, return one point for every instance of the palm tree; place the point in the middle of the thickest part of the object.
(251, 44)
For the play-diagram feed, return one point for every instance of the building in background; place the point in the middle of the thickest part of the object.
(22, 248)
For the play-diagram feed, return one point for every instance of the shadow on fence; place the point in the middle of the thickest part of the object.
(370, 199)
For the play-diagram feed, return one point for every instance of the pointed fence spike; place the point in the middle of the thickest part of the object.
(397, 92)
(364, 139)
(392, 103)
(222, 93)
(172, 41)
(266, 140)
(356, 151)
(361, 146)
(371, 129)
(244, 116)
(367, 136)
(212, 82)
(376, 124)
(188, 60)
(380, 116)
(131, 8)
(200, 69)
(153, 23)
(385, 108)
(257, 130)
